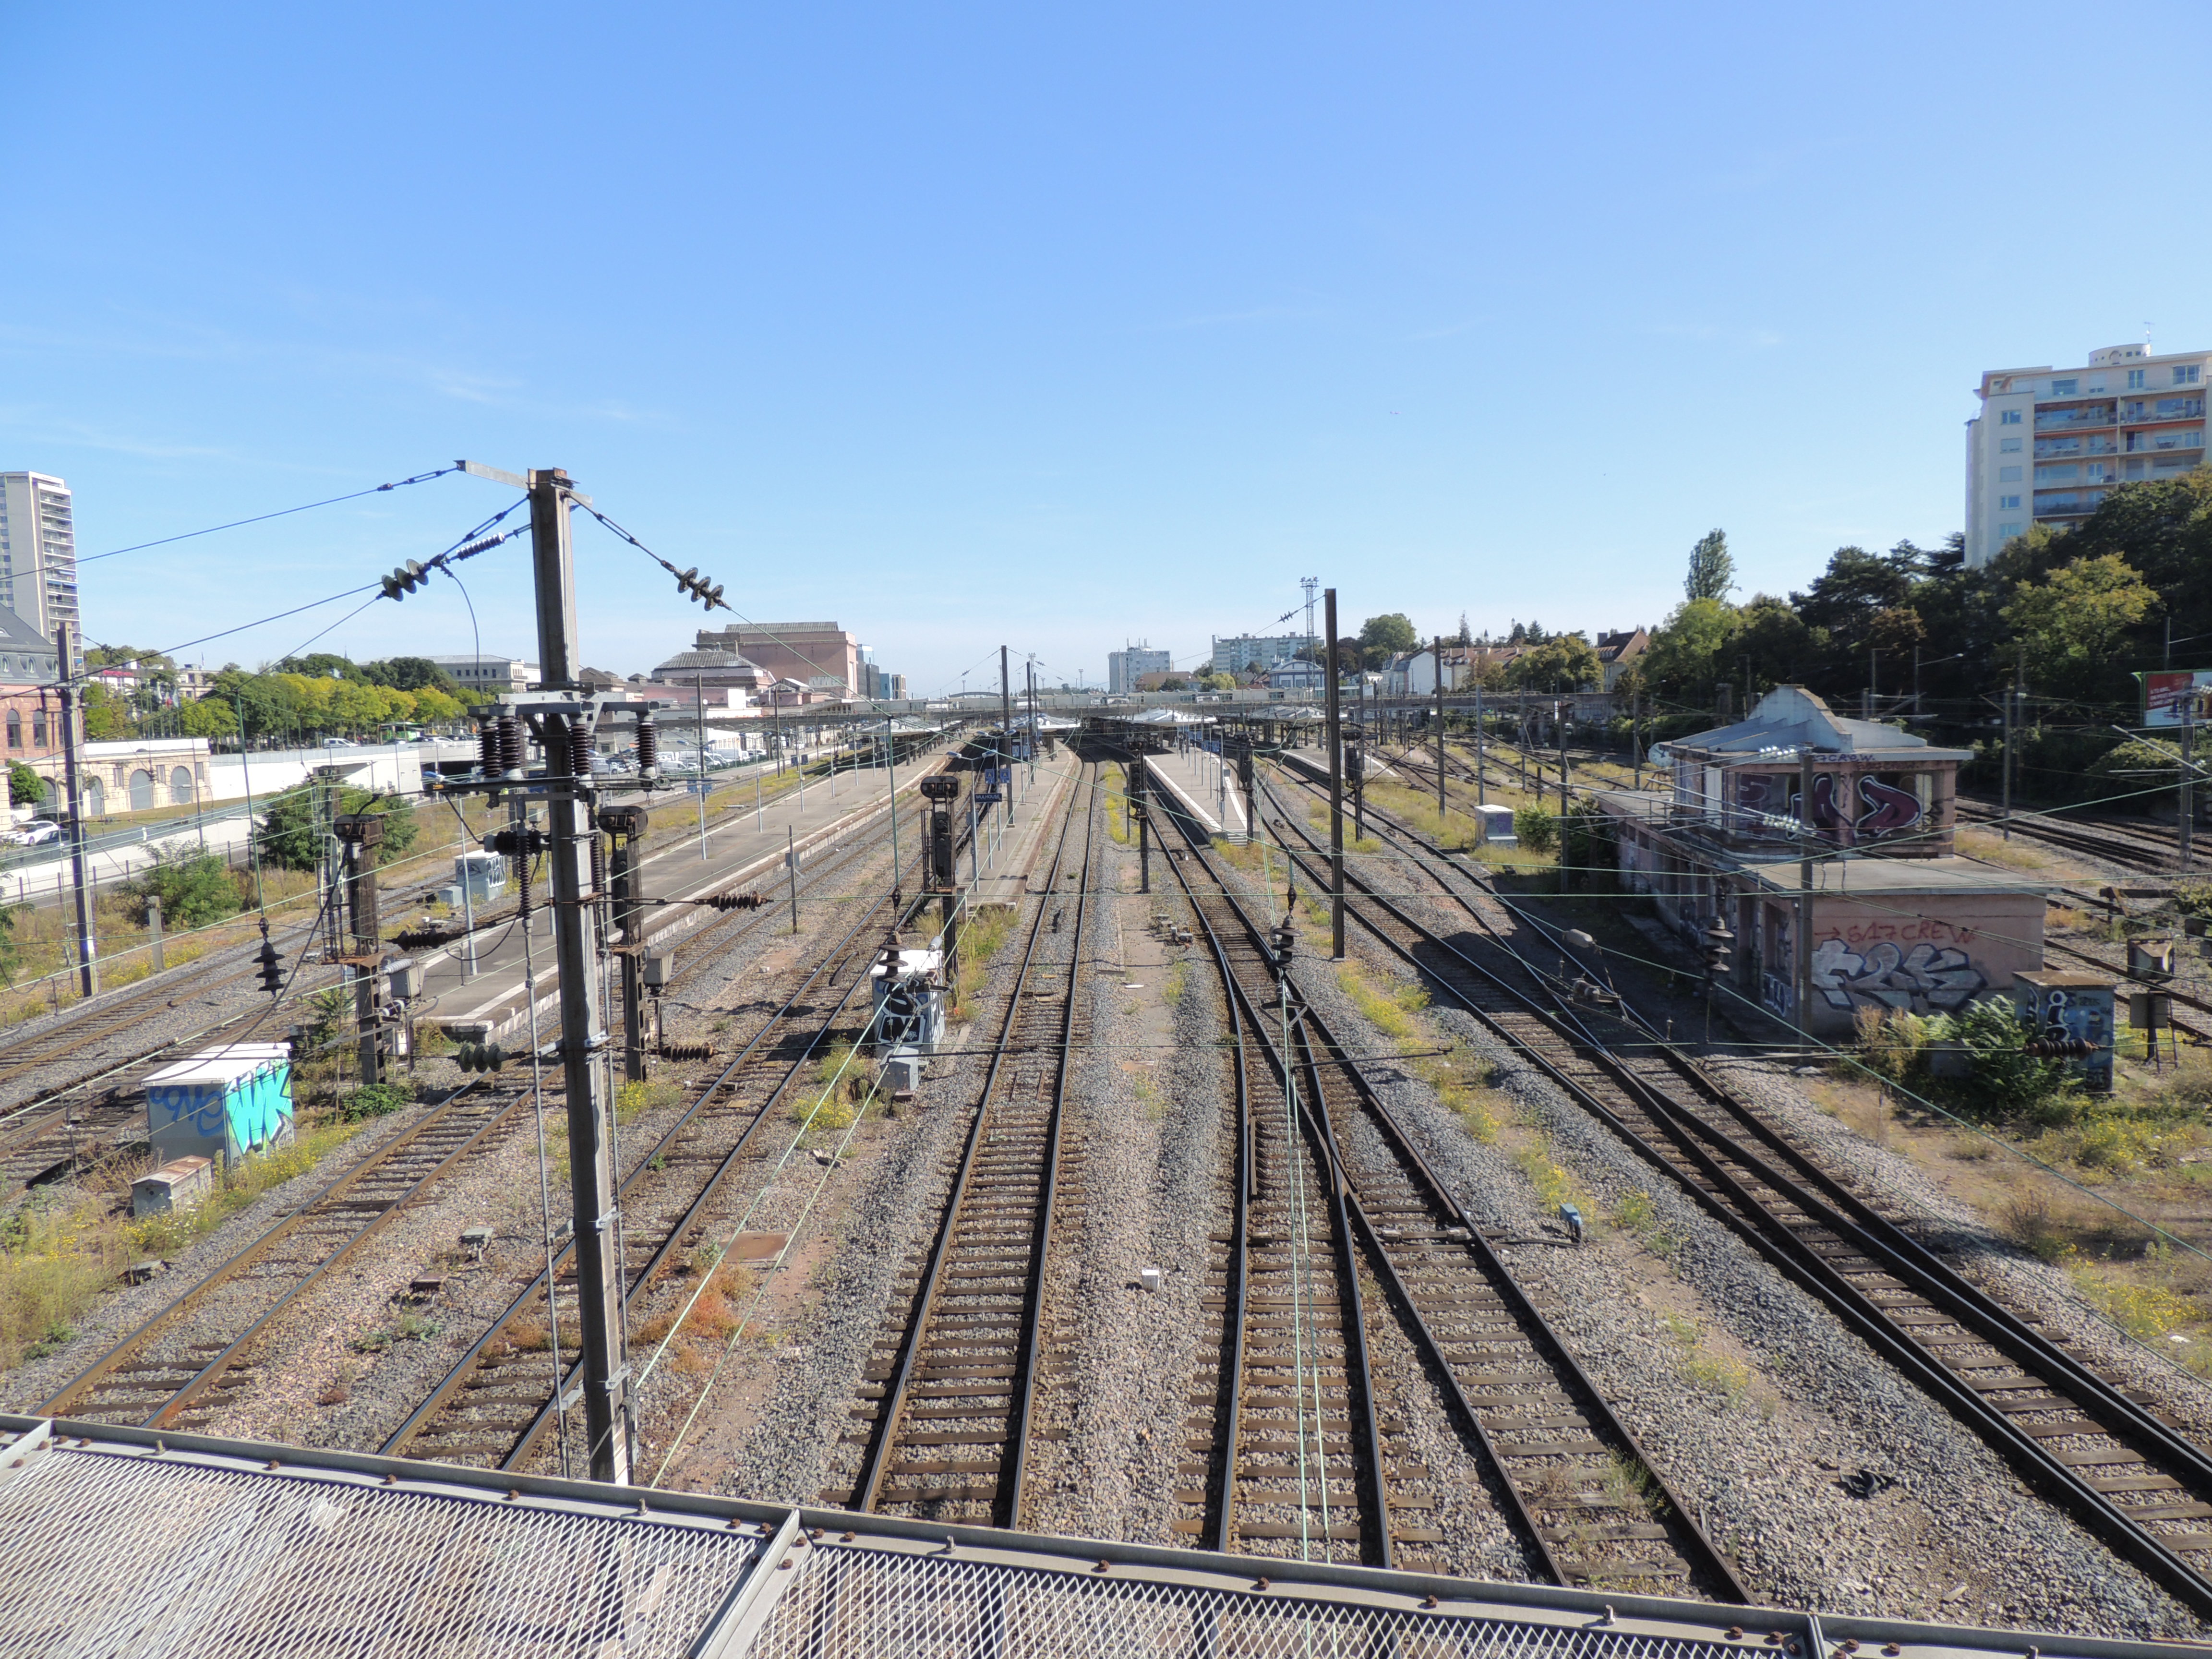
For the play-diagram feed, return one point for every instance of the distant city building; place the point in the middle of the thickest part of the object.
(37, 551)
(819, 655)
(880, 686)
(1123, 668)
(489, 676)
(1616, 652)
(1235, 654)
(715, 668)
(26, 656)
(2050, 444)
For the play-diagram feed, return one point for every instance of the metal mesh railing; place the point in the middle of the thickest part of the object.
(116, 1556)
(856, 1603)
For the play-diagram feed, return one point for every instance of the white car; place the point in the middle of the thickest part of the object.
(37, 833)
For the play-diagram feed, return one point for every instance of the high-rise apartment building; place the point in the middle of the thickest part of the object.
(1235, 655)
(37, 550)
(2050, 444)
(1122, 667)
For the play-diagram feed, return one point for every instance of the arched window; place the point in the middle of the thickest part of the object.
(141, 790)
(38, 728)
(14, 728)
(180, 785)
(95, 799)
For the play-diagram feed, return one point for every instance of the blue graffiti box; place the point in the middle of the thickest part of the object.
(221, 1104)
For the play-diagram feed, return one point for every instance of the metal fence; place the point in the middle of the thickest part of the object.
(123, 1545)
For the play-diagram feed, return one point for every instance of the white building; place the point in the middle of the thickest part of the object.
(2050, 444)
(487, 676)
(37, 551)
(1235, 655)
(1123, 667)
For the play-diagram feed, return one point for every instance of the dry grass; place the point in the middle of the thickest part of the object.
(2013, 855)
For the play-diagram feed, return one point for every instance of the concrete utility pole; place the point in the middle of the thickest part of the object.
(87, 946)
(1033, 719)
(362, 835)
(583, 1032)
(1141, 810)
(1440, 736)
(1006, 733)
(1481, 798)
(1335, 721)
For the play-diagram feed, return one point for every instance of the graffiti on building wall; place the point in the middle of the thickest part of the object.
(1890, 806)
(1922, 978)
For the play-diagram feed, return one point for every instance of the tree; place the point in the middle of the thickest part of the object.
(2074, 623)
(25, 786)
(207, 717)
(1465, 637)
(1382, 638)
(1564, 663)
(1217, 681)
(1713, 571)
(320, 665)
(409, 674)
(1776, 639)
(105, 719)
(1174, 682)
(111, 656)
(436, 708)
(1691, 649)
(291, 832)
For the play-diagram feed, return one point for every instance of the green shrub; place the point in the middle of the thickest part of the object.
(376, 1100)
(1537, 829)
(194, 888)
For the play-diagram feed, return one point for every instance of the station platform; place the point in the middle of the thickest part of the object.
(741, 848)
(1015, 851)
(1205, 788)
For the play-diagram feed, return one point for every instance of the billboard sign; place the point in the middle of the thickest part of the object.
(2168, 694)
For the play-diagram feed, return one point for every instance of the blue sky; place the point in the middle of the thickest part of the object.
(1055, 326)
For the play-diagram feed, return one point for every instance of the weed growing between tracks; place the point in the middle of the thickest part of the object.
(986, 930)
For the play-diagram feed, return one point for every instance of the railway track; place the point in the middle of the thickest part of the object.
(957, 1370)
(496, 1405)
(2129, 849)
(1328, 1183)
(2085, 1441)
(177, 1368)
(47, 1137)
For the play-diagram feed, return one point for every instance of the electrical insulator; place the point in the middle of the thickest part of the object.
(405, 579)
(272, 966)
(580, 748)
(488, 749)
(480, 1057)
(510, 747)
(599, 863)
(649, 747)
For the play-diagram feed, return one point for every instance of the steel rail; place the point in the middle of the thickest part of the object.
(1840, 1213)
(1698, 1552)
(74, 1391)
(1027, 1345)
(875, 1460)
(465, 1366)
(1245, 1013)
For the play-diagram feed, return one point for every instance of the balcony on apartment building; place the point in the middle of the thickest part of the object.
(2067, 503)
(2073, 416)
(2171, 437)
(2094, 443)
(2185, 407)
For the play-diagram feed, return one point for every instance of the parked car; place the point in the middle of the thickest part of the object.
(37, 833)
